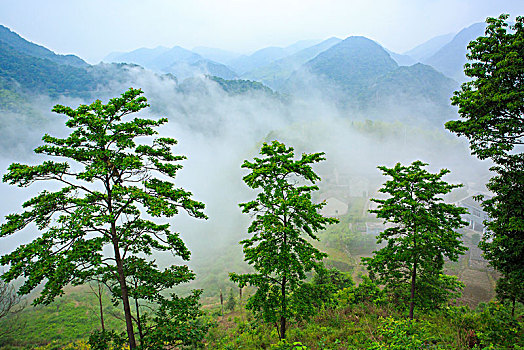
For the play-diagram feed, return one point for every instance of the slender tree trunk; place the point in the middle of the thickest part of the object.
(138, 322)
(283, 317)
(413, 274)
(120, 271)
(412, 299)
(513, 306)
(283, 290)
(101, 308)
(125, 296)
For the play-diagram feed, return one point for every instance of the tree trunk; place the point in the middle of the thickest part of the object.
(412, 299)
(513, 306)
(283, 289)
(120, 271)
(283, 317)
(125, 297)
(138, 322)
(101, 308)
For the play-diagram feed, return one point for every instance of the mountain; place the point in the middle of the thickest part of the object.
(417, 89)
(351, 65)
(275, 73)
(216, 55)
(450, 59)
(41, 75)
(401, 59)
(183, 70)
(27, 69)
(181, 62)
(300, 45)
(239, 86)
(265, 56)
(174, 55)
(142, 56)
(361, 74)
(258, 59)
(429, 48)
(21, 45)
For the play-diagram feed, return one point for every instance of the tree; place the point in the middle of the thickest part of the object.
(106, 192)
(491, 107)
(503, 242)
(284, 219)
(231, 302)
(10, 304)
(422, 234)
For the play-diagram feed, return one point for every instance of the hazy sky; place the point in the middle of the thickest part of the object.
(93, 28)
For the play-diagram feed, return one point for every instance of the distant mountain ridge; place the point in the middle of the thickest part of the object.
(355, 72)
(358, 72)
(275, 73)
(429, 48)
(30, 73)
(267, 55)
(181, 62)
(450, 58)
(19, 44)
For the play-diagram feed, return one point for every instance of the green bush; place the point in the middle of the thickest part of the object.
(498, 328)
(284, 345)
(404, 334)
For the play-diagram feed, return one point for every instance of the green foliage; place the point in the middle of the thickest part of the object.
(367, 292)
(176, 322)
(491, 107)
(284, 345)
(422, 231)
(284, 214)
(498, 328)
(490, 326)
(106, 340)
(111, 185)
(491, 104)
(71, 317)
(238, 86)
(403, 334)
(231, 302)
(503, 243)
(510, 290)
(42, 75)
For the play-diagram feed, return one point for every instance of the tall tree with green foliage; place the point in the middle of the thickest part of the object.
(423, 231)
(491, 104)
(491, 109)
(284, 219)
(97, 223)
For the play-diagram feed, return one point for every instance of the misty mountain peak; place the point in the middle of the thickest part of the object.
(353, 63)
